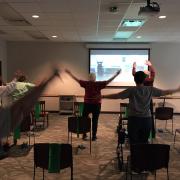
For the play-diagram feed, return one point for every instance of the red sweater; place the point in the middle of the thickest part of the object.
(93, 90)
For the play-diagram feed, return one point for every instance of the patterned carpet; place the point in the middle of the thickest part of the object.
(100, 165)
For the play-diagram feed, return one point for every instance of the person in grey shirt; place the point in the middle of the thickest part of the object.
(139, 114)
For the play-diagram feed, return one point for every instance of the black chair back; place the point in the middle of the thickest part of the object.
(41, 157)
(164, 113)
(79, 124)
(149, 157)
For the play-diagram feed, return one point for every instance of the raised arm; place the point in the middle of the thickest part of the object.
(114, 76)
(70, 74)
(134, 68)
(120, 95)
(170, 91)
(111, 96)
(151, 70)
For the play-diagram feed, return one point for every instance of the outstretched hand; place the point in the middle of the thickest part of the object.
(134, 64)
(118, 72)
(68, 71)
(148, 63)
(57, 72)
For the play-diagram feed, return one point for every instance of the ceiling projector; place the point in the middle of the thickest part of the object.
(150, 9)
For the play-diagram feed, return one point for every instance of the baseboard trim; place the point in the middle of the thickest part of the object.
(104, 112)
(116, 112)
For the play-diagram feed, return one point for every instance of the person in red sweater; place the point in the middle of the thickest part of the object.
(92, 98)
(149, 80)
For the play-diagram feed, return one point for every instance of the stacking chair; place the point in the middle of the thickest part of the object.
(41, 157)
(123, 117)
(123, 120)
(78, 108)
(24, 127)
(79, 125)
(40, 115)
(119, 148)
(148, 157)
(176, 131)
(44, 114)
(164, 114)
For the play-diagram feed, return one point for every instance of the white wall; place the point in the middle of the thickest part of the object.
(166, 60)
(3, 59)
(35, 60)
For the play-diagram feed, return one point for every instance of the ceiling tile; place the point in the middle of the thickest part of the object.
(81, 21)
(20, 1)
(26, 7)
(84, 6)
(55, 6)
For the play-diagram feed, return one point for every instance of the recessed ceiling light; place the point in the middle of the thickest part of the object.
(162, 17)
(54, 36)
(133, 23)
(123, 34)
(35, 16)
(138, 37)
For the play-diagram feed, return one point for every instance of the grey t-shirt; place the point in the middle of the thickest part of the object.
(139, 99)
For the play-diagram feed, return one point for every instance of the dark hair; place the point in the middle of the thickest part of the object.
(139, 77)
(21, 78)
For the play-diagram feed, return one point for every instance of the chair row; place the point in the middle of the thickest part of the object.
(64, 157)
(143, 157)
(53, 157)
(161, 113)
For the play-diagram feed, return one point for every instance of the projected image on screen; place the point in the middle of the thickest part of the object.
(105, 63)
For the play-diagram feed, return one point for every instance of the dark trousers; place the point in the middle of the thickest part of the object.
(139, 129)
(152, 117)
(95, 110)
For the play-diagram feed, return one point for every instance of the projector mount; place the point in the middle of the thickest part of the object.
(150, 8)
(153, 4)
